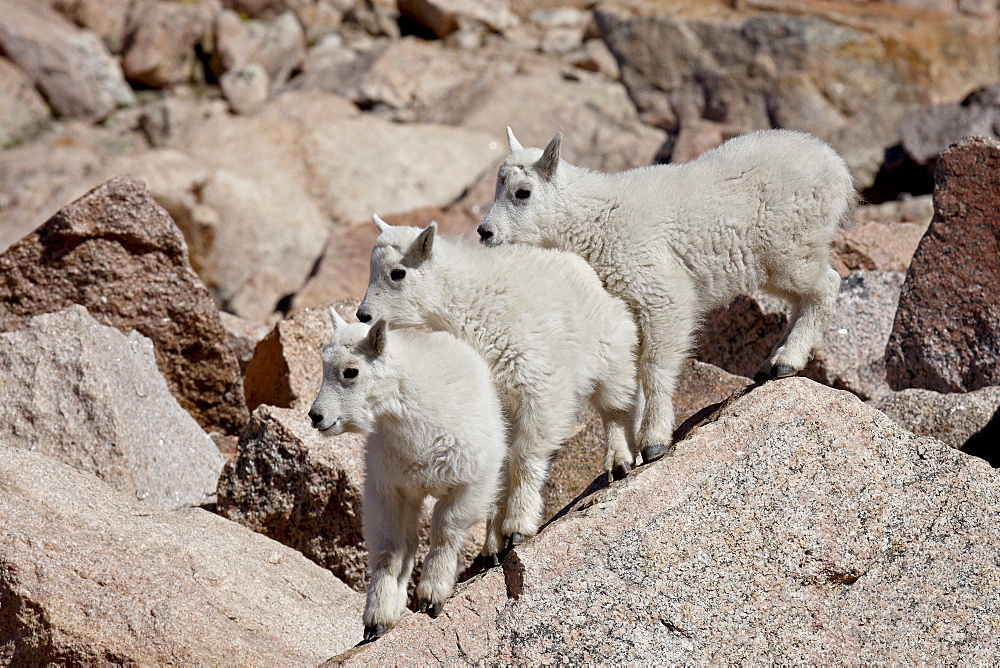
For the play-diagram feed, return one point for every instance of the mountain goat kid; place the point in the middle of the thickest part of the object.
(549, 332)
(436, 428)
(675, 241)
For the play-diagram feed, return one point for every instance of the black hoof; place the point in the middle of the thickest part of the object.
(653, 452)
(432, 609)
(373, 633)
(776, 371)
(514, 540)
(621, 470)
(782, 371)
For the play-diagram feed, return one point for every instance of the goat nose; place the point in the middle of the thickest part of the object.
(363, 317)
(484, 233)
(316, 417)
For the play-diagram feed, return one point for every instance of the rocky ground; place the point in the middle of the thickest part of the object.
(185, 187)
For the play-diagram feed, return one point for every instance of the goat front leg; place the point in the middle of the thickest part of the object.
(390, 524)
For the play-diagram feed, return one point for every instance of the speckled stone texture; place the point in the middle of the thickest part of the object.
(301, 488)
(969, 421)
(93, 398)
(946, 336)
(581, 459)
(740, 337)
(119, 254)
(796, 526)
(90, 577)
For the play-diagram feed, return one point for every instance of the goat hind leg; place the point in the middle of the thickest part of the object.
(804, 333)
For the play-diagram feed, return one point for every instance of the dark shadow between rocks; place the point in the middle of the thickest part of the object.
(899, 175)
(985, 443)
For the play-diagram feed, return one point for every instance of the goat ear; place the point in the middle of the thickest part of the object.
(424, 245)
(512, 141)
(338, 322)
(377, 338)
(379, 223)
(547, 164)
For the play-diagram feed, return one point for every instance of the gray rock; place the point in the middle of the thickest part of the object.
(823, 68)
(243, 336)
(852, 357)
(884, 236)
(286, 369)
(254, 226)
(740, 337)
(378, 17)
(968, 421)
(277, 46)
(406, 75)
(560, 41)
(327, 63)
(71, 67)
(92, 397)
(580, 461)
(601, 126)
(37, 178)
(23, 111)
(487, 89)
(88, 577)
(560, 17)
(105, 18)
(594, 56)
(797, 525)
(365, 165)
(245, 88)
(930, 130)
(280, 176)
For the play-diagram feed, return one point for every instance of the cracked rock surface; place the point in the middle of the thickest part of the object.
(797, 524)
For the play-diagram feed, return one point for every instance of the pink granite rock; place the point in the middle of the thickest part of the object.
(795, 525)
(90, 577)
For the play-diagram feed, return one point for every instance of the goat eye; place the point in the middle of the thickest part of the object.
(350, 373)
(397, 274)
(522, 193)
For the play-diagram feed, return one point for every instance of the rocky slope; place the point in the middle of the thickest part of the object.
(797, 524)
(184, 190)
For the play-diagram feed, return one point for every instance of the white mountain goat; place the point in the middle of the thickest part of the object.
(675, 241)
(436, 427)
(550, 333)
